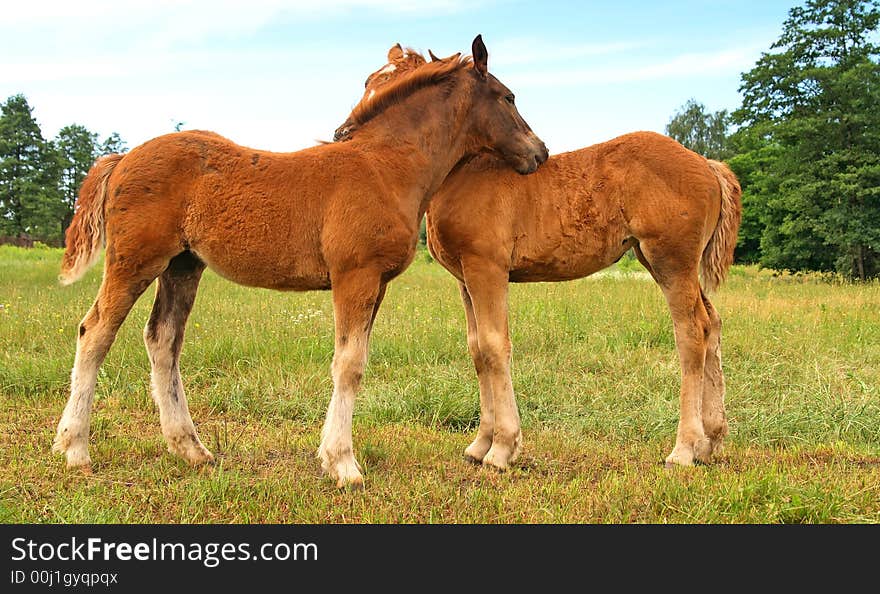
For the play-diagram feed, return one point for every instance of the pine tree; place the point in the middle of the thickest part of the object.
(28, 196)
(77, 149)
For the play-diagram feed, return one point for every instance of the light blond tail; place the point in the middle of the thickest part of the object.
(718, 254)
(85, 236)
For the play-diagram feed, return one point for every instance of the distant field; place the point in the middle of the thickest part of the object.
(596, 375)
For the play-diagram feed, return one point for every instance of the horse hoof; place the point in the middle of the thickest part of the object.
(351, 484)
(475, 452)
(496, 460)
(471, 459)
(675, 460)
(78, 459)
(703, 451)
(204, 458)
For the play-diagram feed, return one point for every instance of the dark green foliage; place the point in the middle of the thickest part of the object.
(39, 178)
(702, 132)
(28, 196)
(809, 143)
(751, 163)
(113, 144)
(76, 148)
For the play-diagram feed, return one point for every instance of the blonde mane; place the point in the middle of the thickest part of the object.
(425, 75)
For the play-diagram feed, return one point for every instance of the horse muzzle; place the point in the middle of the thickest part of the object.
(529, 163)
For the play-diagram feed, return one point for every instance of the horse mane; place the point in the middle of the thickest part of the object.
(425, 75)
(409, 52)
(411, 56)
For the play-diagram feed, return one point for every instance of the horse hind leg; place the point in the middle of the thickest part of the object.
(714, 415)
(119, 290)
(695, 323)
(691, 325)
(163, 336)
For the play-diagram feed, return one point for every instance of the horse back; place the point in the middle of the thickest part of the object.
(578, 213)
(258, 218)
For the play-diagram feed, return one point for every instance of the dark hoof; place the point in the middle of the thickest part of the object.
(472, 460)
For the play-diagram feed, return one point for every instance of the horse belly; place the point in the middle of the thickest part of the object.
(265, 267)
(568, 256)
(266, 255)
(555, 269)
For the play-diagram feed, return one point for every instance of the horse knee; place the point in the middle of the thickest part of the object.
(347, 368)
(159, 340)
(350, 376)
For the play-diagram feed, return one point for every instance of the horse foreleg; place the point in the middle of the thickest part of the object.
(356, 296)
(163, 336)
(487, 287)
(476, 451)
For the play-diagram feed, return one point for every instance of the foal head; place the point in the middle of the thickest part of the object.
(497, 123)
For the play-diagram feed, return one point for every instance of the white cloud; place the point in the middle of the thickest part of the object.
(215, 15)
(530, 50)
(160, 25)
(720, 63)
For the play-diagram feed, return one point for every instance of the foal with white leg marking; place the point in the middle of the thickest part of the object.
(340, 216)
(578, 214)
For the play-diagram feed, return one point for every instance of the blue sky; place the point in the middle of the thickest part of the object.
(278, 75)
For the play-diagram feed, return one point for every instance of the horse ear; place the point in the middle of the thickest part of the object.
(433, 57)
(481, 55)
(395, 53)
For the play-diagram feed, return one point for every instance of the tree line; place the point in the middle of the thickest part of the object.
(805, 144)
(40, 178)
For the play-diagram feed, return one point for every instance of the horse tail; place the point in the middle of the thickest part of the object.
(718, 253)
(85, 236)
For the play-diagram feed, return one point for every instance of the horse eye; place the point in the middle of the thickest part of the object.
(510, 98)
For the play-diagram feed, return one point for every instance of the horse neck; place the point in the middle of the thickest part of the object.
(422, 145)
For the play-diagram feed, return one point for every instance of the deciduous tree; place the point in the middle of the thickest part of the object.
(699, 130)
(812, 105)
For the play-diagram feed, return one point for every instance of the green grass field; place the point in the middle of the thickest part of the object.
(596, 375)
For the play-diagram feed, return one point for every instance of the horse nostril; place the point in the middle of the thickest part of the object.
(540, 157)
